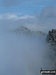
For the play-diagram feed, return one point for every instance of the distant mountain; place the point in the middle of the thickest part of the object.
(23, 29)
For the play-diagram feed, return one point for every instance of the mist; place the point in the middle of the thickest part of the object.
(23, 46)
(22, 51)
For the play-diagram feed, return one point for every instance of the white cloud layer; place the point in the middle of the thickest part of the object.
(15, 16)
(44, 22)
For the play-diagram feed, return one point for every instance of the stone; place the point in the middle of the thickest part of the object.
(52, 35)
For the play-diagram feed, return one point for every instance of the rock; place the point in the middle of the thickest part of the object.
(52, 35)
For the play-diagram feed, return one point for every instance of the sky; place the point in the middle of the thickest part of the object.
(24, 6)
(32, 13)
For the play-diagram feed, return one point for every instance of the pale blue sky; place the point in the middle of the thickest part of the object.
(25, 6)
(34, 14)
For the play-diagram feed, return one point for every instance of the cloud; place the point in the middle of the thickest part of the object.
(44, 22)
(10, 16)
(48, 15)
(13, 21)
(49, 12)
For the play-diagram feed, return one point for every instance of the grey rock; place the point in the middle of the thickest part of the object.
(52, 35)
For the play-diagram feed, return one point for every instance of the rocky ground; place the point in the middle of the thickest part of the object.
(51, 38)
